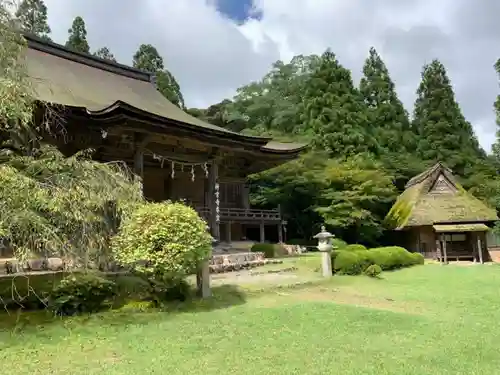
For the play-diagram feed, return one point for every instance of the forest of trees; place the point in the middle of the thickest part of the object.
(364, 145)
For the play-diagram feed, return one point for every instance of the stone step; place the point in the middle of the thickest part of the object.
(221, 263)
(236, 258)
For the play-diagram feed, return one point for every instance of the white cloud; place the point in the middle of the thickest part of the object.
(211, 56)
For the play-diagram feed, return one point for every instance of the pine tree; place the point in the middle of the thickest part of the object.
(105, 53)
(32, 18)
(148, 59)
(334, 110)
(386, 113)
(77, 39)
(442, 130)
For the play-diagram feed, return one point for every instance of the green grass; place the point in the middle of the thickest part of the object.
(424, 320)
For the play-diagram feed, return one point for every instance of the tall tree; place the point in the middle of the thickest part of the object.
(386, 113)
(496, 106)
(443, 132)
(272, 104)
(32, 18)
(105, 53)
(334, 110)
(389, 120)
(77, 39)
(148, 59)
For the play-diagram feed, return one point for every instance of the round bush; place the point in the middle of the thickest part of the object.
(81, 293)
(162, 239)
(373, 271)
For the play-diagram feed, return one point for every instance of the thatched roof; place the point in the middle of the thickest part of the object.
(76, 80)
(435, 197)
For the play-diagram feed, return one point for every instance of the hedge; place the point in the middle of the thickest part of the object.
(354, 247)
(355, 262)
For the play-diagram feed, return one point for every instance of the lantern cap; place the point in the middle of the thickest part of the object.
(323, 235)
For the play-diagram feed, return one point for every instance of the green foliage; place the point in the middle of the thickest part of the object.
(104, 53)
(66, 207)
(163, 240)
(417, 258)
(32, 17)
(147, 58)
(386, 113)
(162, 291)
(351, 263)
(355, 195)
(77, 38)
(373, 271)
(338, 243)
(354, 247)
(348, 262)
(332, 108)
(81, 293)
(496, 106)
(16, 90)
(442, 130)
(268, 249)
(392, 257)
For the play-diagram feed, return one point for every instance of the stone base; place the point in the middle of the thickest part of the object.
(221, 263)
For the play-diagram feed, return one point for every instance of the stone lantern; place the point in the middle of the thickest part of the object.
(325, 246)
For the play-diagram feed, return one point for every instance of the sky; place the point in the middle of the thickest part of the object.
(215, 46)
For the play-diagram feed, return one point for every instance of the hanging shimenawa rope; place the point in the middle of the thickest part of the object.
(173, 163)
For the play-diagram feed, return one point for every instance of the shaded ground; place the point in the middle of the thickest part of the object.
(425, 320)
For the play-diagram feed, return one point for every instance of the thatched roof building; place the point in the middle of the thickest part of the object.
(435, 208)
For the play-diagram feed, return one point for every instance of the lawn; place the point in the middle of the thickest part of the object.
(425, 320)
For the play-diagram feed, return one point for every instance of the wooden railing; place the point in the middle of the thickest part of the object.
(242, 214)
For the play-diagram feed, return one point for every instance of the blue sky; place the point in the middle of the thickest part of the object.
(237, 10)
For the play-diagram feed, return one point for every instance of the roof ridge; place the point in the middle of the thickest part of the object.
(428, 172)
(56, 49)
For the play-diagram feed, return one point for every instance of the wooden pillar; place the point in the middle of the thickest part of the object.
(262, 232)
(480, 249)
(139, 162)
(245, 196)
(280, 232)
(439, 251)
(229, 225)
(444, 250)
(203, 276)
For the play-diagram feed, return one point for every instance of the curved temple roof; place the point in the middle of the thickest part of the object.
(61, 76)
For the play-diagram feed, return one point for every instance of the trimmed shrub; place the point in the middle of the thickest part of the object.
(351, 263)
(355, 262)
(338, 243)
(417, 258)
(373, 270)
(354, 247)
(81, 293)
(163, 240)
(268, 249)
(391, 257)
